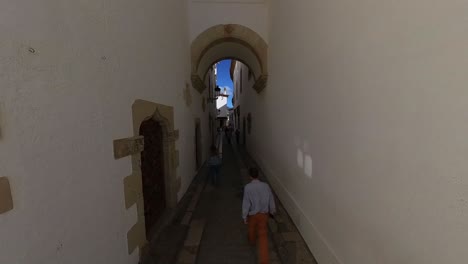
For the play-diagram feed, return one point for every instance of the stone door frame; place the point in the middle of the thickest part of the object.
(143, 110)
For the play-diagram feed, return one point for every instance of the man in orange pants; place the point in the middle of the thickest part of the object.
(257, 205)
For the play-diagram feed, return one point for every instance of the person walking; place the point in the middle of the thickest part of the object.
(227, 132)
(214, 163)
(237, 136)
(257, 205)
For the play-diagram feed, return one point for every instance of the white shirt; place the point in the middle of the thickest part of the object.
(258, 198)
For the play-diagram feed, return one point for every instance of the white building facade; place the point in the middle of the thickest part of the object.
(244, 99)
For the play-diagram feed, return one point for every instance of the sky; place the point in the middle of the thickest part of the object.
(224, 79)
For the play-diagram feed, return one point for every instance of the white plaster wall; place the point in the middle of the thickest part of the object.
(248, 101)
(221, 103)
(204, 14)
(363, 127)
(223, 111)
(211, 108)
(61, 108)
(236, 79)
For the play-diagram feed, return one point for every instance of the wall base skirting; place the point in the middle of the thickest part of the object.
(315, 241)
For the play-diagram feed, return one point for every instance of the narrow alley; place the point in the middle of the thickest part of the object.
(216, 233)
(354, 113)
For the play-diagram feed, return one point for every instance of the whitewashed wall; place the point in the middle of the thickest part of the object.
(210, 82)
(63, 105)
(204, 14)
(247, 100)
(363, 127)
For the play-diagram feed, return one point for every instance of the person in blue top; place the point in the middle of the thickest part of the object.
(214, 163)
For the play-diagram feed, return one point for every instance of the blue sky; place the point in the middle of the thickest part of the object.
(224, 79)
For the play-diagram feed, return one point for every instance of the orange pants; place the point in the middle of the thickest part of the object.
(258, 227)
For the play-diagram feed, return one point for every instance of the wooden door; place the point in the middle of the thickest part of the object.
(152, 168)
(244, 130)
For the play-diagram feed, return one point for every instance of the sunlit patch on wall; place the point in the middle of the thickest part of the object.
(308, 166)
(306, 146)
(300, 158)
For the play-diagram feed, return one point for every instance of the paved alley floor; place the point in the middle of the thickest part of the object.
(207, 227)
(224, 239)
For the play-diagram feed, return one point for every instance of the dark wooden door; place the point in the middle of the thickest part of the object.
(152, 168)
(243, 130)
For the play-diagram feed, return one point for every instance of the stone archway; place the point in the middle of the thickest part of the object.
(229, 41)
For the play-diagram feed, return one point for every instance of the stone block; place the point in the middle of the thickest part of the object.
(136, 237)
(193, 203)
(292, 237)
(178, 184)
(186, 257)
(176, 134)
(176, 159)
(260, 83)
(187, 218)
(128, 146)
(303, 254)
(195, 233)
(6, 201)
(197, 83)
(133, 189)
(273, 226)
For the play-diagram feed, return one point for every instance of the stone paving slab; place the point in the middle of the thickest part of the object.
(187, 218)
(189, 252)
(196, 197)
(166, 248)
(291, 236)
(195, 233)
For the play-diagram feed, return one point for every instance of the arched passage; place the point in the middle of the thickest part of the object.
(233, 41)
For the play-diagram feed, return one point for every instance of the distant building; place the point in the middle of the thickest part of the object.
(243, 98)
(223, 109)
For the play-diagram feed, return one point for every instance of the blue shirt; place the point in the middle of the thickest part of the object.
(214, 161)
(258, 198)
